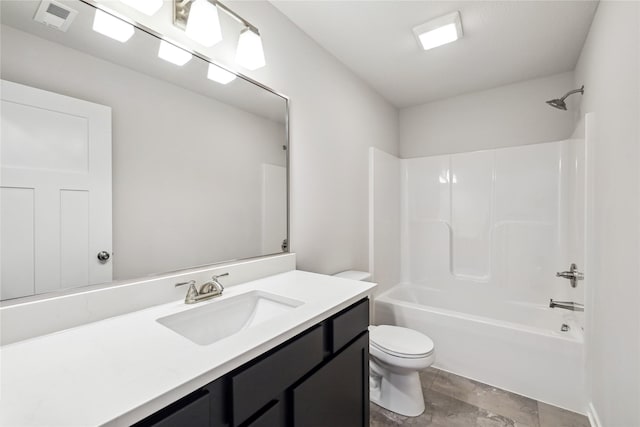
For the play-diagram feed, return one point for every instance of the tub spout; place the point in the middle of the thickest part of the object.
(567, 305)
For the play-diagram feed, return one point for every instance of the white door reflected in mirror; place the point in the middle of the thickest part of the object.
(56, 191)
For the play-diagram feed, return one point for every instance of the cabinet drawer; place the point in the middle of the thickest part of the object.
(348, 324)
(257, 385)
(192, 411)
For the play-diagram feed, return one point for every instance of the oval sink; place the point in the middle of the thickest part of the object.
(216, 320)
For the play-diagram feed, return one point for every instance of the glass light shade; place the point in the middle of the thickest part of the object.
(148, 7)
(173, 54)
(250, 54)
(111, 26)
(220, 75)
(203, 25)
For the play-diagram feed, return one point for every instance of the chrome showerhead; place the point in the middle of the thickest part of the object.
(557, 103)
(560, 104)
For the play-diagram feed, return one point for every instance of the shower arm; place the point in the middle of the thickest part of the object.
(571, 92)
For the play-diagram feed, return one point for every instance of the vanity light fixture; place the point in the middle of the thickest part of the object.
(250, 54)
(199, 19)
(203, 24)
(219, 74)
(173, 54)
(111, 26)
(148, 7)
(439, 31)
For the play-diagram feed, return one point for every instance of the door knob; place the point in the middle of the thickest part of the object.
(103, 256)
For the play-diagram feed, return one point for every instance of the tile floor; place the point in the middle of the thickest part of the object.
(454, 401)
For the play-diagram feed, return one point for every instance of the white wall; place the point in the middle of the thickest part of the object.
(609, 69)
(384, 219)
(506, 116)
(335, 118)
(161, 166)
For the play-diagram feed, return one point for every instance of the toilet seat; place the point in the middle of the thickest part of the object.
(400, 342)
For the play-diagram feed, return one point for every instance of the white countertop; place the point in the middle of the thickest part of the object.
(119, 370)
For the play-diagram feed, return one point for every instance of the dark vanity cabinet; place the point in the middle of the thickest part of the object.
(319, 378)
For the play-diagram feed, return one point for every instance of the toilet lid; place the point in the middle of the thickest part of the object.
(400, 341)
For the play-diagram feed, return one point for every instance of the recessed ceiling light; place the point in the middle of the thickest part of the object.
(220, 75)
(439, 31)
(111, 26)
(173, 54)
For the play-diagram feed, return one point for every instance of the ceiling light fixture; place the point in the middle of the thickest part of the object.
(199, 19)
(173, 54)
(219, 74)
(148, 7)
(439, 31)
(111, 26)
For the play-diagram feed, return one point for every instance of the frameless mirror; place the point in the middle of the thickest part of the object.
(118, 164)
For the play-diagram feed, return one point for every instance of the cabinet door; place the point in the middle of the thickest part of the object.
(263, 381)
(337, 395)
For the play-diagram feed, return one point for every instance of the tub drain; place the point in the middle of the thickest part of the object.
(564, 327)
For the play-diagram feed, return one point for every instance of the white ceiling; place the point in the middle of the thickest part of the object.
(504, 42)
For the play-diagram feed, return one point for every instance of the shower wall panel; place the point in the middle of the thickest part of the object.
(501, 220)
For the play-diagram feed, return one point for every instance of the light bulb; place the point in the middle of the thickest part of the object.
(220, 75)
(111, 26)
(173, 54)
(148, 7)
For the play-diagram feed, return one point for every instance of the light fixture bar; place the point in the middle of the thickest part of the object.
(181, 10)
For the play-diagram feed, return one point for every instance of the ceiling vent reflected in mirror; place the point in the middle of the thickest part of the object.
(54, 14)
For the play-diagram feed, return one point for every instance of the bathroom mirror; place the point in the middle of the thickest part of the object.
(118, 164)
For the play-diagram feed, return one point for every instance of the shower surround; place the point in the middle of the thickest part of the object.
(481, 236)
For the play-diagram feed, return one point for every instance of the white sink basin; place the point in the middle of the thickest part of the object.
(216, 320)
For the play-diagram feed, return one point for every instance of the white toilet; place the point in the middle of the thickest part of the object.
(397, 356)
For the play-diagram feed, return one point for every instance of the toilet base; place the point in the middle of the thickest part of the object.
(399, 393)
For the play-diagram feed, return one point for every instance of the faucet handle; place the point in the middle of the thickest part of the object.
(215, 276)
(192, 293)
(190, 283)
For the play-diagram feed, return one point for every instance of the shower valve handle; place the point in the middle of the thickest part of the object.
(573, 275)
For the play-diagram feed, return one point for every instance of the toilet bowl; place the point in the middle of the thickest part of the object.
(397, 355)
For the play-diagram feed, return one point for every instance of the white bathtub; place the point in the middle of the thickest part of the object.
(516, 347)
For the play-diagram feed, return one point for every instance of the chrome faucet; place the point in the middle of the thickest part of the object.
(573, 275)
(567, 305)
(207, 291)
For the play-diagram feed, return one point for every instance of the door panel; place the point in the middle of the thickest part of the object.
(17, 231)
(74, 238)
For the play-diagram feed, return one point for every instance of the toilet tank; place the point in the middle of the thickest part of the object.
(362, 276)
